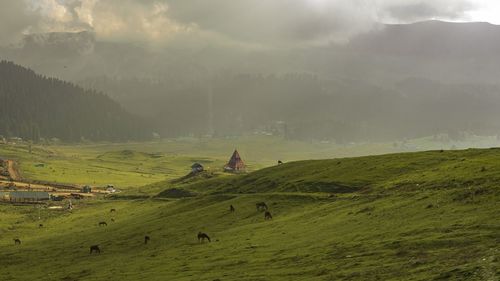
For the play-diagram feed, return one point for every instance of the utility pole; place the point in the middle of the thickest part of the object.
(211, 109)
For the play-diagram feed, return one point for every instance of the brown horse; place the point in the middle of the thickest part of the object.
(261, 206)
(40, 225)
(202, 236)
(146, 239)
(95, 248)
(280, 162)
(267, 215)
(17, 241)
(103, 223)
(112, 210)
(231, 209)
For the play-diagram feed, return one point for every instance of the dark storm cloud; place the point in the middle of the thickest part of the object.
(276, 21)
(299, 21)
(247, 22)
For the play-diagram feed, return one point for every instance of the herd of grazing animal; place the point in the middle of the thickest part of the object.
(261, 206)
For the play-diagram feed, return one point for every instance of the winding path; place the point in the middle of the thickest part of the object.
(13, 172)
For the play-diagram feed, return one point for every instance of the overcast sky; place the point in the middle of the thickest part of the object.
(250, 22)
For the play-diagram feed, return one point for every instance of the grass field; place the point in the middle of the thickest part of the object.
(413, 216)
(131, 166)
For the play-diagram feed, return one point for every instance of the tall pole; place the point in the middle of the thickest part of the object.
(210, 109)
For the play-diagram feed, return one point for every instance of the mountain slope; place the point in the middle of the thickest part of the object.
(33, 107)
(433, 39)
(432, 233)
(393, 83)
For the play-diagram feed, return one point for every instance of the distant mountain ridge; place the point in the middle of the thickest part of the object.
(70, 43)
(432, 39)
(463, 45)
(397, 81)
(33, 107)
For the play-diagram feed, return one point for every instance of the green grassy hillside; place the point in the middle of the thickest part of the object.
(416, 216)
(131, 166)
(463, 169)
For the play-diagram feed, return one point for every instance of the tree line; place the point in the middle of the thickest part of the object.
(33, 106)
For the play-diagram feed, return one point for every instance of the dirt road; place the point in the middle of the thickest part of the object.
(20, 183)
(13, 172)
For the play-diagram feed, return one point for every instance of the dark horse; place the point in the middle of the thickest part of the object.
(17, 241)
(112, 210)
(267, 215)
(280, 162)
(95, 248)
(103, 223)
(202, 236)
(231, 209)
(261, 206)
(146, 239)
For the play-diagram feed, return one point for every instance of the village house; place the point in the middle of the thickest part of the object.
(196, 168)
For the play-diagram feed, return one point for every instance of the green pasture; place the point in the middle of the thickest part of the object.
(130, 166)
(401, 236)
(409, 216)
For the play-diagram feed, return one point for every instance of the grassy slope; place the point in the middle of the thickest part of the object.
(465, 169)
(446, 228)
(107, 163)
(104, 163)
(130, 166)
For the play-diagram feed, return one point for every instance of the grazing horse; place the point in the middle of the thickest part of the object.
(95, 248)
(261, 206)
(40, 225)
(17, 241)
(103, 223)
(112, 210)
(146, 239)
(280, 162)
(202, 237)
(267, 215)
(231, 209)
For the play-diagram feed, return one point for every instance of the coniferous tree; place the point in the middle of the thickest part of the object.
(33, 106)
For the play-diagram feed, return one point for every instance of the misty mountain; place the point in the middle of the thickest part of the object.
(443, 51)
(60, 44)
(311, 107)
(432, 39)
(34, 106)
(394, 82)
(466, 52)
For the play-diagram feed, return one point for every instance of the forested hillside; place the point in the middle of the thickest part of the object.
(34, 107)
(392, 83)
(311, 107)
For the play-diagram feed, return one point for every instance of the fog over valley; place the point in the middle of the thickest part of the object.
(324, 70)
